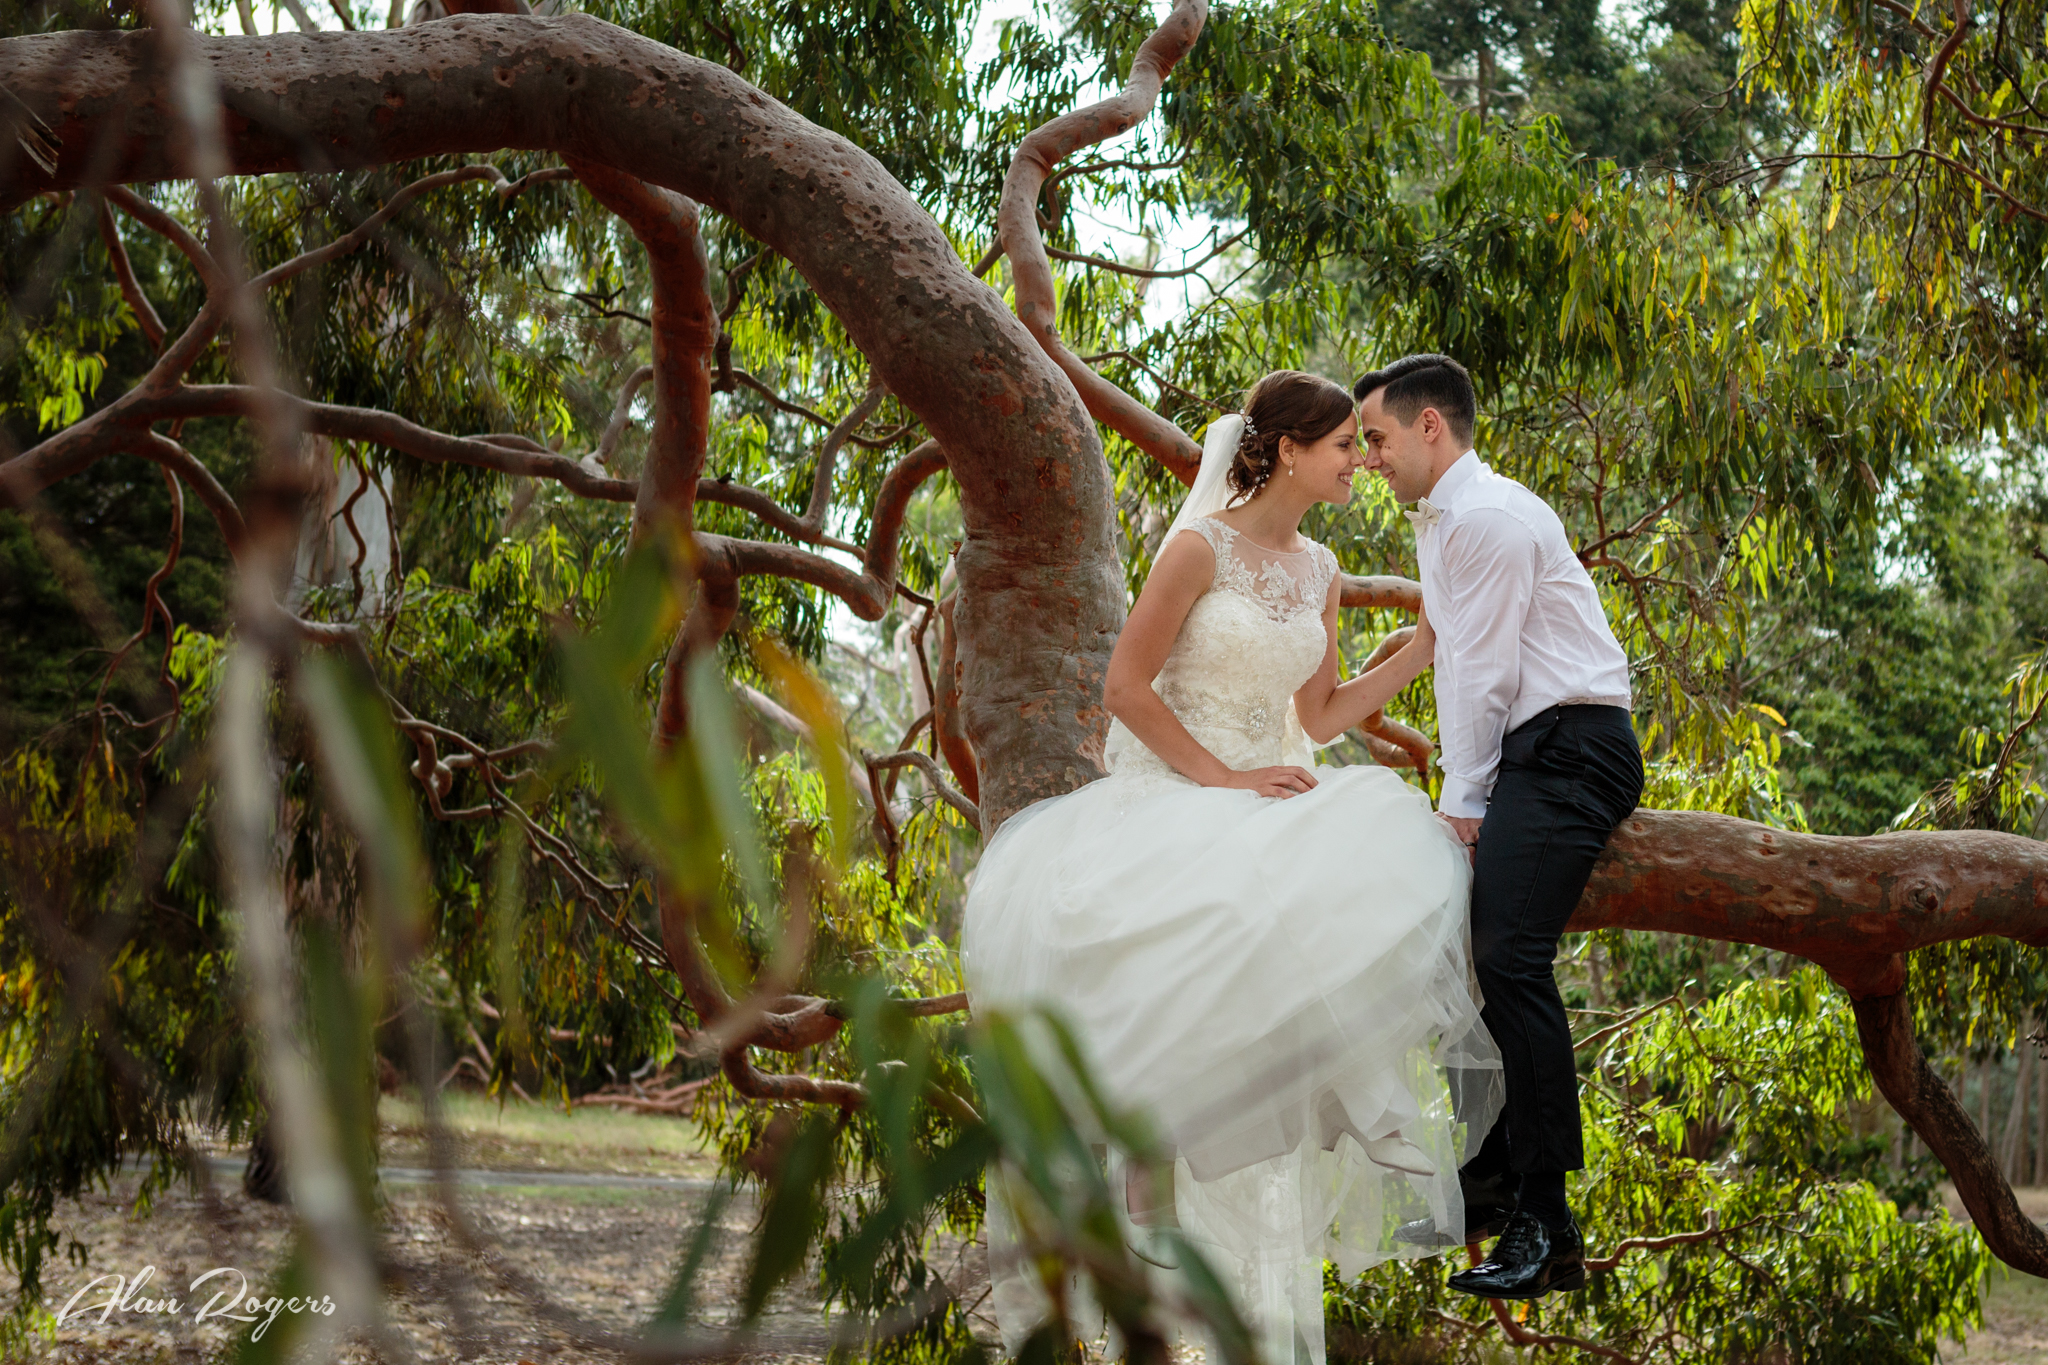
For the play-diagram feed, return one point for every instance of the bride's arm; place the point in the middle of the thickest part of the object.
(1327, 708)
(1183, 572)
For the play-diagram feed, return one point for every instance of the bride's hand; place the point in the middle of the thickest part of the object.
(1283, 781)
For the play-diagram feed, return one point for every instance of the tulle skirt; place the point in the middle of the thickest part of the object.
(1275, 982)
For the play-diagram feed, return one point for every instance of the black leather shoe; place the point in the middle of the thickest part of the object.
(1488, 1203)
(1528, 1262)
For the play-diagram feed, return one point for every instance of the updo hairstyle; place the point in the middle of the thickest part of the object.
(1307, 407)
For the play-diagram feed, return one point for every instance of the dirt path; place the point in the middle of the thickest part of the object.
(586, 1217)
(601, 1256)
(584, 1214)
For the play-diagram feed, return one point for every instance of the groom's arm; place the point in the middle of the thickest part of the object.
(1489, 577)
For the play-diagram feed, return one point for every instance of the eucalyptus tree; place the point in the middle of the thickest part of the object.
(1716, 384)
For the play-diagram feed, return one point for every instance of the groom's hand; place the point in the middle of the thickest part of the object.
(1465, 828)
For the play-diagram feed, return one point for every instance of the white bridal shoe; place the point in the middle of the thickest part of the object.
(1397, 1153)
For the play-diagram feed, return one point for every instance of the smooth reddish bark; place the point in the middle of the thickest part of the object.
(1851, 905)
(1017, 221)
(685, 329)
(1855, 907)
(1041, 600)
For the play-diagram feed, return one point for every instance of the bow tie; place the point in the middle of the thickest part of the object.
(1425, 515)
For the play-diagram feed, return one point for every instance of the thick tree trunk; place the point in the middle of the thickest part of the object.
(2039, 1173)
(1041, 596)
(263, 1177)
(2013, 1146)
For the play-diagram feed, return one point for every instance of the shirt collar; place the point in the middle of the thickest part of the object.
(1463, 471)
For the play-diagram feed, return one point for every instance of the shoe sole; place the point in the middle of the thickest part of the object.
(1565, 1285)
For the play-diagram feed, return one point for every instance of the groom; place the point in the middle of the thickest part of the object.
(1540, 764)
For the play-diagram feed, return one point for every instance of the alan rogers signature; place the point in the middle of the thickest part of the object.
(230, 1299)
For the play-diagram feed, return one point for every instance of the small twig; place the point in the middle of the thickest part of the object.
(1640, 525)
(622, 414)
(1620, 1024)
(1142, 272)
(782, 404)
(124, 271)
(736, 285)
(599, 304)
(932, 773)
(1161, 380)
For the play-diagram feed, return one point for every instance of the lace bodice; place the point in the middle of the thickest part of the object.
(1247, 644)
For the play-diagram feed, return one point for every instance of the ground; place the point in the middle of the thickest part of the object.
(2015, 1328)
(585, 1216)
(588, 1212)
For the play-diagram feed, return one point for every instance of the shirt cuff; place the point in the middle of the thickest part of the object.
(1463, 799)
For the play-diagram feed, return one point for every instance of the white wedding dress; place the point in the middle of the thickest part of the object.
(1275, 981)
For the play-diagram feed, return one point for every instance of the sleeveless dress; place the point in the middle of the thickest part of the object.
(1275, 981)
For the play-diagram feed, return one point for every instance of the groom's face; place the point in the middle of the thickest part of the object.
(1402, 455)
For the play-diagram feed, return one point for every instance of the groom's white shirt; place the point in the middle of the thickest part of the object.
(1518, 622)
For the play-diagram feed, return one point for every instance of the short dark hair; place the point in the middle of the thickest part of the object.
(1415, 382)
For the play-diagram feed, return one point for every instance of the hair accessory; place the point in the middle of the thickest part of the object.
(1251, 428)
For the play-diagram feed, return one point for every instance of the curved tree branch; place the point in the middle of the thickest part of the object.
(924, 764)
(1854, 906)
(1017, 229)
(124, 271)
(1035, 489)
(171, 230)
(116, 427)
(828, 458)
(1144, 272)
(1884, 1025)
(622, 416)
(948, 727)
(175, 459)
(730, 377)
(685, 329)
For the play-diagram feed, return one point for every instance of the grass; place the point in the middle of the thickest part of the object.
(2015, 1330)
(520, 1135)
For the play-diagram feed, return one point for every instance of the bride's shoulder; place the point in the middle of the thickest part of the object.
(1203, 539)
(1185, 566)
(1197, 545)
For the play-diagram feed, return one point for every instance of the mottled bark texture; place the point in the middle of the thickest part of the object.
(1041, 596)
(1851, 905)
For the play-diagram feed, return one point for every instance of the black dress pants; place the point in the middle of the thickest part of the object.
(1568, 776)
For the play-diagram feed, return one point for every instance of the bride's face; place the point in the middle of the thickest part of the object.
(1324, 470)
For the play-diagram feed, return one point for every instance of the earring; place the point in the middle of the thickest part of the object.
(1290, 471)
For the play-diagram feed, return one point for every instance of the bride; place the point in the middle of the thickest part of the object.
(1266, 955)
